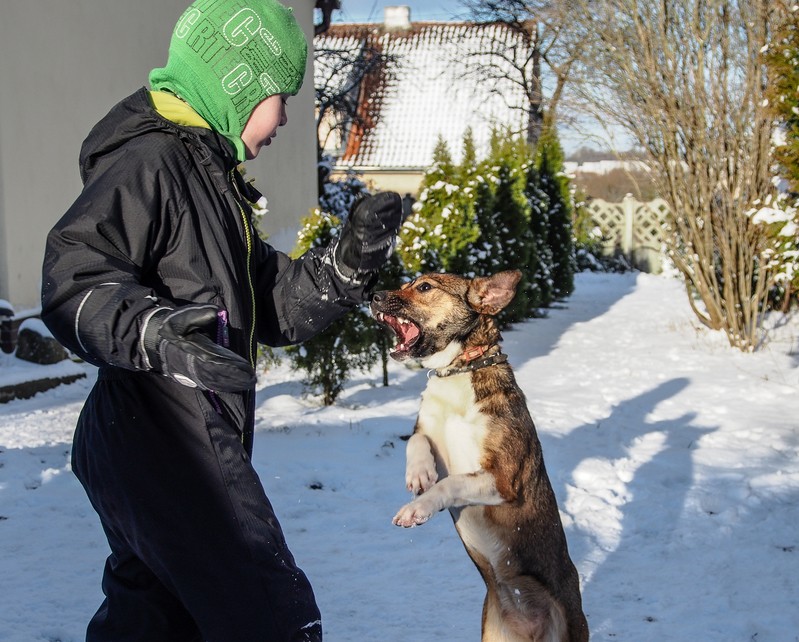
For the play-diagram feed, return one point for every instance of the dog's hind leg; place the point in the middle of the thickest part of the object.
(493, 629)
(500, 625)
(530, 612)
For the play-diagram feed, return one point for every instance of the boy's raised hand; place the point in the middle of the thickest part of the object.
(367, 236)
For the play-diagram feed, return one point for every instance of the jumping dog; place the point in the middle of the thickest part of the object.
(475, 451)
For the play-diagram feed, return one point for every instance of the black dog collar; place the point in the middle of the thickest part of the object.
(493, 360)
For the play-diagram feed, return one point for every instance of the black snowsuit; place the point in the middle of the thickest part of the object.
(163, 220)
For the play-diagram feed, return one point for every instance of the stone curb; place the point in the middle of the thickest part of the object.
(28, 389)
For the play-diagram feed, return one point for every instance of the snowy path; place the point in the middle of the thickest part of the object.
(674, 458)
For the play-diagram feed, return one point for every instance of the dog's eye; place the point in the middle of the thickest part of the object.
(424, 287)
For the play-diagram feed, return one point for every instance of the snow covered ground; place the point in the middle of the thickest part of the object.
(675, 460)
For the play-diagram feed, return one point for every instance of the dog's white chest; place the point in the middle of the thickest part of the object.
(450, 418)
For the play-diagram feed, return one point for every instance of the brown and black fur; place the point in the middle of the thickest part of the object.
(475, 451)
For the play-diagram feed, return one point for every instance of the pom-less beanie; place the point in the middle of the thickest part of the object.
(226, 56)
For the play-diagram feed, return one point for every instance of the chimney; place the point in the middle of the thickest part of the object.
(398, 17)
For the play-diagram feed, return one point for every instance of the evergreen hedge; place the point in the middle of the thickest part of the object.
(512, 210)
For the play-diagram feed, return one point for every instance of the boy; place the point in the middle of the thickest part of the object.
(156, 275)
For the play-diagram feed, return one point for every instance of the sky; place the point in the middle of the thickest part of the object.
(674, 459)
(372, 10)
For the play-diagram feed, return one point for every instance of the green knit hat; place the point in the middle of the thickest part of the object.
(226, 56)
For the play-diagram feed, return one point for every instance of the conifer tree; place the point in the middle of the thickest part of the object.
(552, 182)
(505, 241)
(464, 227)
(541, 260)
(441, 227)
(336, 197)
(783, 94)
(469, 163)
(782, 61)
(418, 238)
(347, 344)
(482, 254)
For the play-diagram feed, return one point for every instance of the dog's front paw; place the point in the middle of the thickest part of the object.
(415, 513)
(420, 476)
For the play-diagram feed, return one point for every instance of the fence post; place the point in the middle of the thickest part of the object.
(628, 207)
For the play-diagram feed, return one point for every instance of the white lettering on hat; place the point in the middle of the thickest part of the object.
(240, 29)
(271, 42)
(269, 84)
(186, 22)
(237, 79)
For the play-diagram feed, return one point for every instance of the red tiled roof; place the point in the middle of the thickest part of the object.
(431, 91)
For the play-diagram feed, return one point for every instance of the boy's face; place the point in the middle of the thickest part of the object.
(262, 125)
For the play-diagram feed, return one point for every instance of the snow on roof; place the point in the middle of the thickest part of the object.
(433, 90)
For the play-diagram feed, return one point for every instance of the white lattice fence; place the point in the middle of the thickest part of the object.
(633, 228)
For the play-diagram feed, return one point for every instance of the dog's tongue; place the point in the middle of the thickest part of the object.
(406, 333)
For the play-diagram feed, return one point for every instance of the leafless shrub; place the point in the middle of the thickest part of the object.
(686, 79)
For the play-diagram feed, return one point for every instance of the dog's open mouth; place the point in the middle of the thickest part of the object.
(406, 330)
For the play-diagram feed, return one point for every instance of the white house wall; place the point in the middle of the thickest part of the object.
(63, 64)
(404, 182)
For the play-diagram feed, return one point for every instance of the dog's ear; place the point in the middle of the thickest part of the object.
(489, 294)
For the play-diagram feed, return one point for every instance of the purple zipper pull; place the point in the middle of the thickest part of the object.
(222, 334)
(222, 339)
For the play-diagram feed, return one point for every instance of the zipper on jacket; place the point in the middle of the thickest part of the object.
(245, 223)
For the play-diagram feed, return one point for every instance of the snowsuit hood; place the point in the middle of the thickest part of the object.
(136, 118)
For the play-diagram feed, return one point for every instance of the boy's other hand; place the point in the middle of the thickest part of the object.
(179, 346)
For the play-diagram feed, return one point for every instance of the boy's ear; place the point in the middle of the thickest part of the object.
(490, 294)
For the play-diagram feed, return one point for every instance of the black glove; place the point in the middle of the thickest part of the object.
(367, 237)
(177, 344)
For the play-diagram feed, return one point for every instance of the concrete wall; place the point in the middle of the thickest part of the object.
(286, 170)
(62, 66)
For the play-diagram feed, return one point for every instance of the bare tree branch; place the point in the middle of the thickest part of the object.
(345, 71)
(551, 38)
(686, 79)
